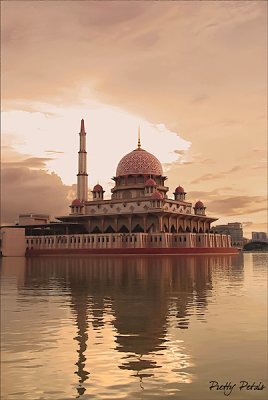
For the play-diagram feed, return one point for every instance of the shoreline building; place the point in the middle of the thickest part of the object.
(235, 230)
(138, 218)
(259, 236)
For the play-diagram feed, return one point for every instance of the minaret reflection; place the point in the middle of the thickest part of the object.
(66, 275)
(79, 305)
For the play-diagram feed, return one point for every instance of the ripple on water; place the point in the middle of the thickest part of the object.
(130, 328)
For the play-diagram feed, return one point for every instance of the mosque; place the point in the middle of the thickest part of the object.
(138, 218)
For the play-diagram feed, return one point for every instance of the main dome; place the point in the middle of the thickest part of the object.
(139, 162)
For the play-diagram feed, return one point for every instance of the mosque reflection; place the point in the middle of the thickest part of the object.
(144, 295)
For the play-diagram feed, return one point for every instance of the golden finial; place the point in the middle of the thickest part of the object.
(139, 138)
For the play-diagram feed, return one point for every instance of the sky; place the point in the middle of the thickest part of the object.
(192, 75)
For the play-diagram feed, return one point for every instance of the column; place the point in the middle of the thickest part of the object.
(145, 224)
(160, 223)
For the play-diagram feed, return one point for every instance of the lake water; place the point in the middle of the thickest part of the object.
(134, 327)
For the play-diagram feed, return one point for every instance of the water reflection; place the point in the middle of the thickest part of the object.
(79, 306)
(130, 305)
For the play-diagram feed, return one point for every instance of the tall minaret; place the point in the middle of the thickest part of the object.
(82, 183)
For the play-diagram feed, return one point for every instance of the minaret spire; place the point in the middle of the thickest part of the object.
(82, 181)
(139, 138)
(82, 129)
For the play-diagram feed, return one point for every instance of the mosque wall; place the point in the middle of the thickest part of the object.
(131, 241)
(114, 208)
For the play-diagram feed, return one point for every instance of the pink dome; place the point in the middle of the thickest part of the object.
(76, 202)
(138, 162)
(97, 188)
(150, 182)
(199, 204)
(157, 196)
(179, 189)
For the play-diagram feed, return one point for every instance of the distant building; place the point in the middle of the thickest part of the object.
(234, 229)
(33, 219)
(259, 236)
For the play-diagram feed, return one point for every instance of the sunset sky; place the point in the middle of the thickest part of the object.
(193, 75)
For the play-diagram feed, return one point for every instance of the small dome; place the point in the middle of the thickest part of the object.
(199, 204)
(179, 189)
(150, 182)
(97, 188)
(76, 202)
(157, 196)
(139, 162)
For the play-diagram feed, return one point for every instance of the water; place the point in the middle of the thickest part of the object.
(133, 327)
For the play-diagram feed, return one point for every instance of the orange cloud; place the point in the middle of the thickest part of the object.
(219, 175)
(31, 191)
(31, 162)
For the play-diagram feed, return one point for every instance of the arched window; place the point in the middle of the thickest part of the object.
(173, 229)
(96, 230)
(109, 229)
(138, 229)
(123, 229)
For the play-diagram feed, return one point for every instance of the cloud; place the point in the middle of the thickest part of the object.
(259, 152)
(200, 99)
(261, 166)
(237, 205)
(230, 208)
(180, 152)
(229, 122)
(220, 202)
(208, 177)
(54, 152)
(185, 158)
(27, 187)
(261, 227)
(31, 162)
(31, 191)
(219, 175)
(105, 46)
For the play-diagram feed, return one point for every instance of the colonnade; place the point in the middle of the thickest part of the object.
(128, 240)
(147, 223)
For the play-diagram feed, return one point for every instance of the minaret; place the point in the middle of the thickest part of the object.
(82, 183)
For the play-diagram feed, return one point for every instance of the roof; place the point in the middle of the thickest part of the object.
(179, 189)
(199, 204)
(139, 162)
(97, 188)
(77, 202)
(150, 182)
(157, 196)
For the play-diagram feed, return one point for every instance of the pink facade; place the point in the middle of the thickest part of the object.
(138, 217)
